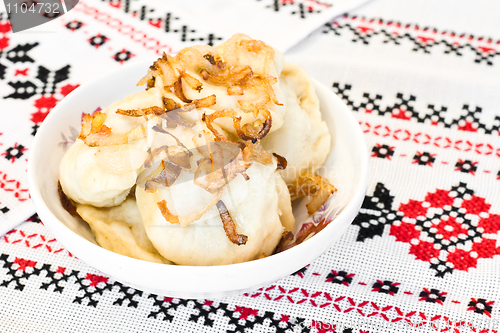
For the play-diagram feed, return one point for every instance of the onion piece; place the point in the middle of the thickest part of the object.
(212, 179)
(307, 231)
(282, 162)
(156, 110)
(149, 78)
(167, 176)
(210, 118)
(92, 124)
(165, 70)
(172, 218)
(170, 104)
(179, 142)
(313, 185)
(234, 90)
(205, 102)
(244, 135)
(255, 152)
(227, 75)
(106, 138)
(95, 134)
(186, 220)
(179, 92)
(229, 226)
(191, 81)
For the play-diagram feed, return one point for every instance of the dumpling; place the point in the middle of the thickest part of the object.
(120, 229)
(187, 221)
(252, 205)
(242, 73)
(102, 175)
(304, 139)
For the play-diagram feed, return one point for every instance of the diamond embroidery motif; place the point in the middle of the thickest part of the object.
(450, 229)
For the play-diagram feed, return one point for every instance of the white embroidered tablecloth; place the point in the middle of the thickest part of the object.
(421, 77)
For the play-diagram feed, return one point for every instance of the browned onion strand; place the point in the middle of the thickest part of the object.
(229, 226)
(167, 176)
(282, 162)
(157, 128)
(255, 152)
(179, 92)
(227, 75)
(313, 185)
(165, 70)
(152, 110)
(191, 81)
(155, 155)
(307, 231)
(170, 104)
(211, 179)
(179, 155)
(169, 217)
(244, 135)
(210, 118)
(94, 133)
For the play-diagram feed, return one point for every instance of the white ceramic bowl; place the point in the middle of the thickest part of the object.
(346, 167)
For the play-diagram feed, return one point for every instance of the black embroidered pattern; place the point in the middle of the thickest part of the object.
(481, 306)
(18, 271)
(382, 151)
(298, 8)
(15, 152)
(123, 56)
(466, 166)
(165, 21)
(340, 277)
(432, 296)
(301, 272)
(386, 287)
(48, 78)
(130, 295)
(376, 212)
(365, 35)
(424, 158)
(98, 40)
(74, 25)
(404, 109)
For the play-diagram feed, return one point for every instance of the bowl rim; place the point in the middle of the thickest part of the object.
(50, 220)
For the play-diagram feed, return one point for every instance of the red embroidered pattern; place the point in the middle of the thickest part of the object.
(138, 36)
(13, 187)
(451, 229)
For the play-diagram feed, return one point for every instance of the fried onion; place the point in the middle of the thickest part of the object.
(255, 152)
(156, 110)
(313, 185)
(282, 163)
(179, 92)
(165, 175)
(95, 134)
(212, 179)
(165, 70)
(191, 81)
(172, 218)
(229, 226)
(186, 220)
(249, 131)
